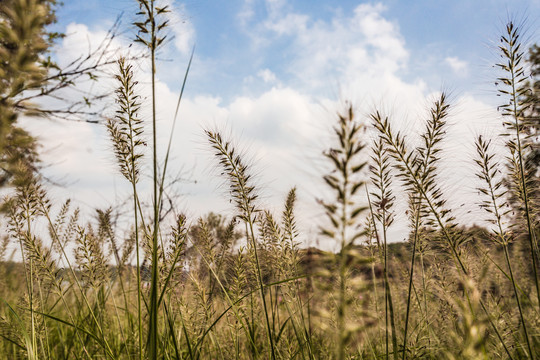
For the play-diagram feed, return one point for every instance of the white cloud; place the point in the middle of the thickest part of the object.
(267, 76)
(459, 67)
(348, 50)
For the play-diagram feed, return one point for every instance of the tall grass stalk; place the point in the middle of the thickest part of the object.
(405, 163)
(381, 207)
(494, 191)
(515, 82)
(292, 269)
(126, 133)
(372, 234)
(426, 159)
(345, 180)
(244, 197)
(29, 275)
(416, 216)
(150, 36)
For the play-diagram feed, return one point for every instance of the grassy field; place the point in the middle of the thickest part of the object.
(240, 286)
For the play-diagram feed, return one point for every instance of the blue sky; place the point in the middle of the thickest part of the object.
(225, 31)
(273, 73)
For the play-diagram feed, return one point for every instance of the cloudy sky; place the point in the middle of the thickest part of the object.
(271, 74)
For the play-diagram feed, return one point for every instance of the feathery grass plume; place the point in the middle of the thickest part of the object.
(289, 242)
(90, 259)
(224, 237)
(289, 221)
(151, 25)
(150, 30)
(203, 309)
(426, 157)
(270, 252)
(65, 226)
(126, 131)
(382, 213)
(345, 180)
(241, 190)
(381, 179)
(4, 242)
(128, 247)
(270, 232)
(428, 153)
(495, 194)
(244, 196)
(60, 218)
(237, 289)
(146, 245)
(205, 243)
(280, 239)
(126, 128)
(148, 250)
(174, 266)
(237, 274)
(106, 233)
(514, 89)
(176, 251)
(494, 191)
